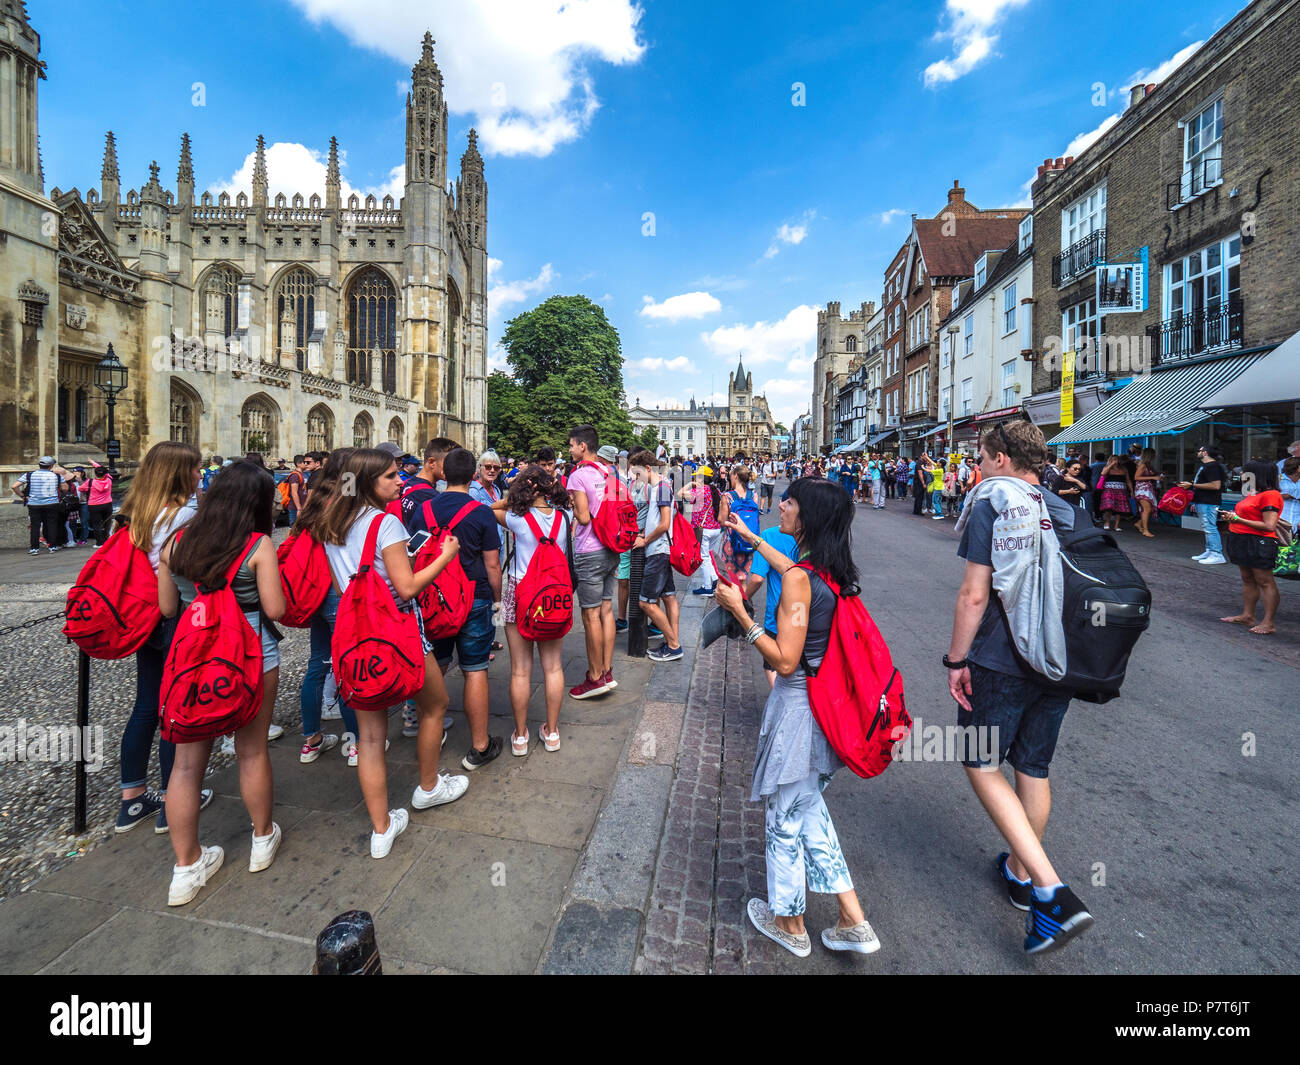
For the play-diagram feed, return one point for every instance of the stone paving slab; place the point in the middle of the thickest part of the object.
(41, 925)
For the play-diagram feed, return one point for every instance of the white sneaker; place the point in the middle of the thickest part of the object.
(227, 744)
(449, 789)
(309, 754)
(274, 732)
(331, 712)
(264, 848)
(1197, 558)
(1214, 560)
(350, 749)
(518, 744)
(860, 938)
(382, 842)
(188, 880)
(347, 745)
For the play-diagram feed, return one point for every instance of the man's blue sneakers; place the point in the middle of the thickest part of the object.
(1052, 923)
(1017, 893)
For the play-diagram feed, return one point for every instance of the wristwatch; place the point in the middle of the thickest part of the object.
(955, 665)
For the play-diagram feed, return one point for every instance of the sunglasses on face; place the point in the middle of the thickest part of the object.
(488, 467)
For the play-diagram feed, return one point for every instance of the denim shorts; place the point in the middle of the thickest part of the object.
(1027, 716)
(657, 578)
(596, 576)
(270, 645)
(472, 644)
(625, 565)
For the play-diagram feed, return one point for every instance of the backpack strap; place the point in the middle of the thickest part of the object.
(430, 522)
(372, 538)
(462, 512)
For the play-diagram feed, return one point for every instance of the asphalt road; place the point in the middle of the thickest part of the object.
(1183, 847)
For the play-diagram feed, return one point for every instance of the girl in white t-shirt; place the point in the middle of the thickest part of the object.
(367, 484)
(537, 493)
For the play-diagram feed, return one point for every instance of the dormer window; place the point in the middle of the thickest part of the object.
(1026, 232)
(981, 270)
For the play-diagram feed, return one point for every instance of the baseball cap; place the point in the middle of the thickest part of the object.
(388, 447)
(608, 452)
(45, 460)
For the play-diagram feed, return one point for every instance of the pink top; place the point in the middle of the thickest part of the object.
(100, 490)
(700, 499)
(592, 482)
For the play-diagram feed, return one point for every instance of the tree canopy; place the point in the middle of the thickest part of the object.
(560, 334)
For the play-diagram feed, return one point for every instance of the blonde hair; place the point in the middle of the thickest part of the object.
(162, 485)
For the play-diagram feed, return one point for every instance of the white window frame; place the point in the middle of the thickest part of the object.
(968, 335)
(981, 271)
(1077, 322)
(1196, 177)
(1010, 309)
(1026, 232)
(1084, 216)
(967, 387)
(1008, 383)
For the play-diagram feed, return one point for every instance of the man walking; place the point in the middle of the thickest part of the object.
(595, 564)
(998, 696)
(876, 469)
(40, 491)
(767, 481)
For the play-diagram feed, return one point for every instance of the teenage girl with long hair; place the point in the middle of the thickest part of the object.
(159, 502)
(236, 506)
(535, 493)
(368, 481)
(795, 761)
(314, 741)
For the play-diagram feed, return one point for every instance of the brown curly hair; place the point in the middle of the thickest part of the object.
(531, 483)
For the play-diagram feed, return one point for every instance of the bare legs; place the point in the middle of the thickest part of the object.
(521, 675)
(1021, 816)
(1256, 584)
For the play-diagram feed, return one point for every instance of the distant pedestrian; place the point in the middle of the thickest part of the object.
(703, 506)
(1253, 547)
(1207, 495)
(40, 490)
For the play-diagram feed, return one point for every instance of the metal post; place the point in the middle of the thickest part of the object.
(638, 640)
(83, 723)
(112, 462)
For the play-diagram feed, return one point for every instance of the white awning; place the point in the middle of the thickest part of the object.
(1168, 401)
(1274, 378)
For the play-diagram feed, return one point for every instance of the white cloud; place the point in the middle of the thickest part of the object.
(787, 397)
(293, 168)
(519, 67)
(606, 298)
(687, 305)
(503, 293)
(888, 216)
(789, 234)
(657, 364)
(785, 341)
(1083, 141)
(971, 25)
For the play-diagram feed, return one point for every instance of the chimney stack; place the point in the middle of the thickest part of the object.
(956, 194)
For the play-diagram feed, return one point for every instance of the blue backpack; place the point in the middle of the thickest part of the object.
(746, 509)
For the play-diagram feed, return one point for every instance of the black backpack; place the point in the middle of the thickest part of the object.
(1106, 607)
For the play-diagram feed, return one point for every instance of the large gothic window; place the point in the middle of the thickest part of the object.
(851, 343)
(221, 301)
(372, 328)
(453, 345)
(363, 431)
(395, 434)
(184, 415)
(295, 304)
(320, 428)
(259, 426)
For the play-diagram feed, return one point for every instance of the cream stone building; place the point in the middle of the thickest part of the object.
(745, 424)
(264, 324)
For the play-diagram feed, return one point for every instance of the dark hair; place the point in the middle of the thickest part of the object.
(585, 434)
(236, 504)
(642, 457)
(299, 458)
(825, 524)
(1214, 453)
(256, 459)
(545, 453)
(531, 482)
(439, 446)
(1265, 475)
(349, 495)
(1291, 466)
(318, 498)
(458, 466)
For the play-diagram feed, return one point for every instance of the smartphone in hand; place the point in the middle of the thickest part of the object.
(416, 542)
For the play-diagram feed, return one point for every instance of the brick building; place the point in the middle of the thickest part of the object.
(1196, 184)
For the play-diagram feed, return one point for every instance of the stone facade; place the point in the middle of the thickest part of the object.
(838, 340)
(745, 424)
(274, 325)
(683, 429)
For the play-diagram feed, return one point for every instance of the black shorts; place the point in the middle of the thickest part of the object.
(1246, 549)
(657, 578)
(1014, 717)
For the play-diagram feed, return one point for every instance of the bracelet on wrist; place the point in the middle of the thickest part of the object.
(755, 631)
(956, 665)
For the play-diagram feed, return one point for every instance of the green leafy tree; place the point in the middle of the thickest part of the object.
(511, 426)
(562, 334)
(649, 438)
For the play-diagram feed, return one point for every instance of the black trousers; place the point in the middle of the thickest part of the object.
(918, 494)
(101, 516)
(49, 520)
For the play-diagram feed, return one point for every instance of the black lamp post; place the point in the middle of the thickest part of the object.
(110, 378)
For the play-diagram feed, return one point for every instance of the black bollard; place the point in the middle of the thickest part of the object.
(638, 640)
(83, 723)
(347, 947)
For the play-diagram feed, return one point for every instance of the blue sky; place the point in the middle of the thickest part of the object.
(594, 112)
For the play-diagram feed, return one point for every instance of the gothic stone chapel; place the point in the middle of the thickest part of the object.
(277, 326)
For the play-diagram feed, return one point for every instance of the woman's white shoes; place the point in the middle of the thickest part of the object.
(382, 842)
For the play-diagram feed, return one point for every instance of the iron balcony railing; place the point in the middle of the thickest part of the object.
(1196, 178)
(1184, 336)
(1079, 257)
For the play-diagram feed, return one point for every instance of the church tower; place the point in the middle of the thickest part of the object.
(424, 293)
(471, 205)
(20, 48)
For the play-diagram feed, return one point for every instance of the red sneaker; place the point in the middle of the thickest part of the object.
(589, 687)
(610, 682)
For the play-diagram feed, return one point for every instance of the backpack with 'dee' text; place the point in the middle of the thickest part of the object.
(614, 521)
(446, 603)
(113, 607)
(544, 595)
(212, 678)
(304, 578)
(376, 650)
(856, 693)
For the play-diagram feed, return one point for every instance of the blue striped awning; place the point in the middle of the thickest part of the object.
(1166, 402)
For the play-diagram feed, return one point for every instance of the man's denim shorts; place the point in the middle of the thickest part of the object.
(1027, 716)
(472, 644)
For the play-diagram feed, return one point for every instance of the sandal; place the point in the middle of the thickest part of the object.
(519, 744)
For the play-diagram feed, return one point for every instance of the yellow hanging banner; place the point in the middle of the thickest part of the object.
(1067, 389)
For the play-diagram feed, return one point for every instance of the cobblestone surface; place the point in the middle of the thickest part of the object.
(711, 858)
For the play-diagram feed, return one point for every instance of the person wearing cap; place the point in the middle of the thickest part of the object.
(410, 466)
(707, 510)
(40, 491)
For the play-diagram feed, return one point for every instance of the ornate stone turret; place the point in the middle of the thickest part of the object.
(259, 173)
(110, 183)
(153, 224)
(471, 193)
(426, 121)
(20, 46)
(332, 180)
(185, 174)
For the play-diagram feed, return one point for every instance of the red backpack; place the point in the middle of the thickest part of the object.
(446, 603)
(304, 577)
(113, 607)
(683, 549)
(212, 679)
(614, 521)
(377, 654)
(544, 596)
(1176, 500)
(856, 694)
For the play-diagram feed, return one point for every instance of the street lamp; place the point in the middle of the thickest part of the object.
(110, 378)
(953, 331)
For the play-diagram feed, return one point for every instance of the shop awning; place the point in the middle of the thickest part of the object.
(915, 432)
(880, 438)
(856, 445)
(1168, 401)
(1274, 378)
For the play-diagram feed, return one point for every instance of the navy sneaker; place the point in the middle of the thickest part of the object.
(1052, 924)
(652, 630)
(205, 797)
(135, 810)
(620, 625)
(1017, 892)
(664, 653)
